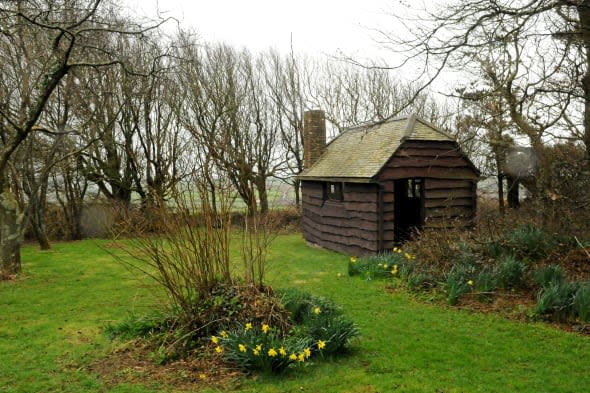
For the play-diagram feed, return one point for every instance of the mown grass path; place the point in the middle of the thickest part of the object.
(50, 330)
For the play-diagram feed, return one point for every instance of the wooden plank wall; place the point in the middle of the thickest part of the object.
(439, 160)
(349, 226)
(449, 203)
(449, 183)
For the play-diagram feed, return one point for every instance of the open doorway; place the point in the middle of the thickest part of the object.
(408, 207)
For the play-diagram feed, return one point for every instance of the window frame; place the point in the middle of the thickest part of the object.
(333, 191)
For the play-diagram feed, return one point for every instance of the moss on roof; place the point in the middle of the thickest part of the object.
(359, 153)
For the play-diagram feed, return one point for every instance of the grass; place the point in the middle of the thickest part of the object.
(50, 331)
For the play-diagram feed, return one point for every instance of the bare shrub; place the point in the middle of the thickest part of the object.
(257, 235)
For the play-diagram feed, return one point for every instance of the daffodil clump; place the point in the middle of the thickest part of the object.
(385, 265)
(318, 329)
(264, 348)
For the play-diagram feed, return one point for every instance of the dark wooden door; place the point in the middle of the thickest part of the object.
(408, 207)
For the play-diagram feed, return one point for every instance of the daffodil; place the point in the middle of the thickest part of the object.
(317, 310)
(259, 347)
(223, 334)
(272, 353)
(214, 339)
(385, 266)
(395, 249)
(321, 344)
(255, 352)
(352, 259)
(282, 351)
(307, 352)
(248, 326)
(292, 357)
(242, 348)
(399, 251)
(301, 357)
(408, 256)
(265, 328)
(470, 283)
(219, 349)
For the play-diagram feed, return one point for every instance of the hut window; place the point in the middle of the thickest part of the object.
(414, 188)
(333, 191)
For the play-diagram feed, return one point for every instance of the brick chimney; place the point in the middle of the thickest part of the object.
(314, 136)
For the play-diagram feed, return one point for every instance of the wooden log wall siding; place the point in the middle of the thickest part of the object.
(450, 183)
(435, 159)
(349, 226)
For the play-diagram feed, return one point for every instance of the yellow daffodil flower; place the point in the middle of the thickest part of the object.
(282, 351)
(385, 266)
(255, 352)
(321, 344)
(317, 310)
(219, 349)
(353, 259)
(214, 340)
(307, 352)
(395, 249)
(265, 328)
(259, 347)
(292, 357)
(248, 326)
(242, 348)
(272, 353)
(223, 334)
(301, 357)
(470, 283)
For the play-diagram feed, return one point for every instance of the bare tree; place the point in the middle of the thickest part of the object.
(111, 161)
(284, 82)
(40, 43)
(70, 187)
(228, 112)
(534, 55)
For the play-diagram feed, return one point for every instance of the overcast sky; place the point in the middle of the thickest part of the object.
(316, 26)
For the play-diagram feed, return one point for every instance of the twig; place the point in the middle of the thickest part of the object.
(582, 247)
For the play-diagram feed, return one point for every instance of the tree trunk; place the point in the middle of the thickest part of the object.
(262, 196)
(10, 234)
(501, 193)
(297, 187)
(40, 234)
(584, 15)
(37, 220)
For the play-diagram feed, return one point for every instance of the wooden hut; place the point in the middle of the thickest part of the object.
(372, 186)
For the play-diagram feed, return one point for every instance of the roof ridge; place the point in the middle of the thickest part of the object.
(371, 123)
(435, 128)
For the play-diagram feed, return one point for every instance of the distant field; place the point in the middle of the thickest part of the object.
(50, 331)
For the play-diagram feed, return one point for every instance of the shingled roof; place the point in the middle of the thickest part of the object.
(359, 153)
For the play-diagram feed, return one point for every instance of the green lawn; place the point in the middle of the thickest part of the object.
(50, 330)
